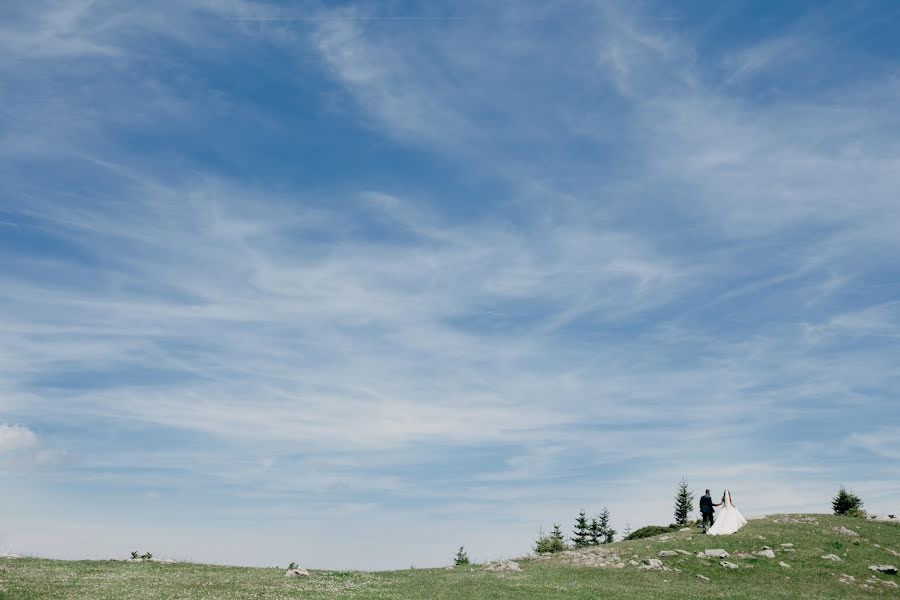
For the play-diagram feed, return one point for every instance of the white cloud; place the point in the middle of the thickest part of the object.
(16, 437)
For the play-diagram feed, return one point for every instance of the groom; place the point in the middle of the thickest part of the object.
(707, 510)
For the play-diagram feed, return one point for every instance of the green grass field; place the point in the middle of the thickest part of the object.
(559, 576)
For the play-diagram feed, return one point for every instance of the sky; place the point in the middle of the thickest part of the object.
(354, 284)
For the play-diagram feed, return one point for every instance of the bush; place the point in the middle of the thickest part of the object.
(552, 542)
(648, 531)
(461, 557)
(847, 503)
(293, 566)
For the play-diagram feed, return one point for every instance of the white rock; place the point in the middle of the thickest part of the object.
(833, 557)
(890, 584)
(715, 553)
(653, 564)
(886, 569)
(503, 566)
(665, 553)
(703, 577)
(846, 531)
(298, 572)
(787, 546)
(784, 564)
(728, 565)
(767, 553)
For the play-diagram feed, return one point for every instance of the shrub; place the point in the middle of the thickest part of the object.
(146, 556)
(134, 555)
(552, 542)
(461, 557)
(293, 566)
(847, 503)
(648, 531)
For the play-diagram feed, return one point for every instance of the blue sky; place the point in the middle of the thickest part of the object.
(352, 284)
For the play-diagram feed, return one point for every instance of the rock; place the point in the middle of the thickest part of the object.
(703, 577)
(890, 584)
(716, 553)
(666, 553)
(833, 557)
(664, 538)
(786, 546)
(843, 530)
(685, 552)
(701, 555)
(298, 572)
(503, 566)
(766, 552)
(653, 564)
(728, 565)
(784, 564)
(847, 578)
(633, 563)
(685, 529)
(886, 569)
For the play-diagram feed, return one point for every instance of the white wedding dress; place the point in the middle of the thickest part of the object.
(728, 520)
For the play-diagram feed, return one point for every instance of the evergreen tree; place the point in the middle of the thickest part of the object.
(596, 534)
(557, 535)
(554, 542)
(846, 503)
(581, 537)
(607, 533)
(684, 503)
(461, 557)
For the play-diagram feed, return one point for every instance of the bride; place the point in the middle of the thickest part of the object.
(729, 518)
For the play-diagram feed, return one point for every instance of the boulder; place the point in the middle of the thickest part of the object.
(728, 565)
(766, 553)
(298, 572)
(666, 553)
(843, 530)
(715, 553)
(653, 564)
(833, 557)
(886, 569)
(501, 566)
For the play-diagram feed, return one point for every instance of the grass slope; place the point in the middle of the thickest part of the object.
(808, 576)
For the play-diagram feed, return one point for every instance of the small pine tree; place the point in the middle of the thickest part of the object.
(846, 503)
(554, 542)
(596, 534)
(581, 537)
(461, 557)
(608, 534)
(684, 503)
(557, 535)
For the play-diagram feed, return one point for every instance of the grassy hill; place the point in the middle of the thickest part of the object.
(612, 571)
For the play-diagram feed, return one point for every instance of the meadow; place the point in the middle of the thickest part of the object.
(618, 570)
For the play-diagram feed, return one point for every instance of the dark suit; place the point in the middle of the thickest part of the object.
(707, 510)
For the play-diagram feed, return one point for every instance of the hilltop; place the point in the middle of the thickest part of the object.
(780, 556)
